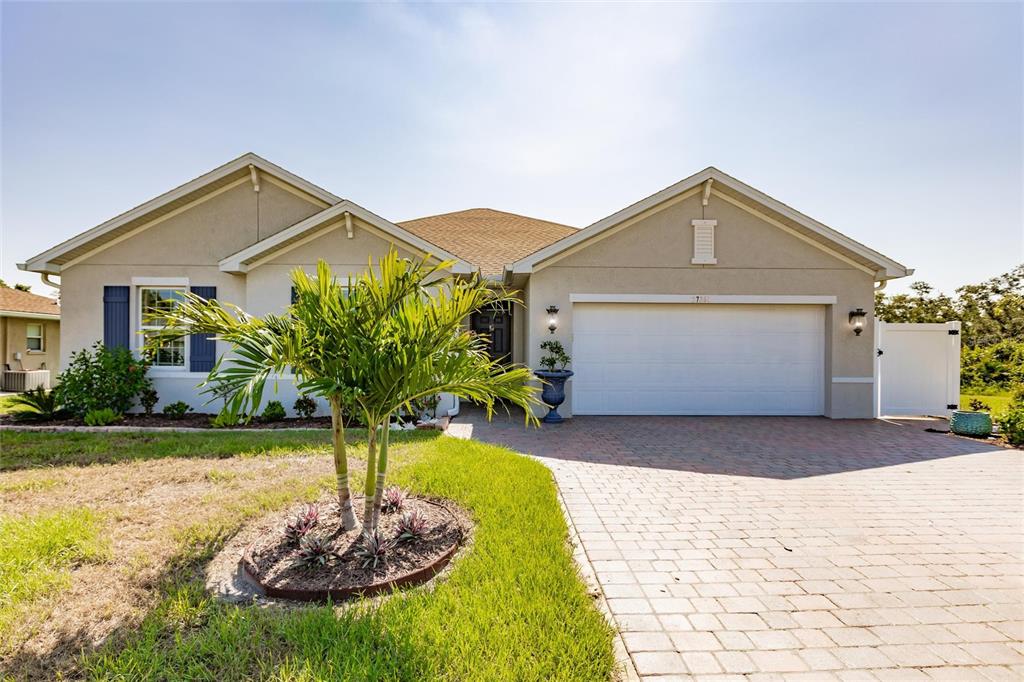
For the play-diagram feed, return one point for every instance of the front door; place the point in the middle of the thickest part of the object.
(496, 324)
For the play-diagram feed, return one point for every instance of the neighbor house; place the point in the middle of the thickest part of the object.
(708, 297)
(29, 339)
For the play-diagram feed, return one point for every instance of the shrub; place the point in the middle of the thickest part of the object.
(101, 377)
(102, 417)
(305, 406)
(556, 357)
(274, 411)
(148, 399)
(995, 367)
(979, 405)
(226, 419)
(177, 410)
(37, 405)
(1011, 422)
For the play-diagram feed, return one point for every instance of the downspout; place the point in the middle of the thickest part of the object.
(881, 285)
(45, 276)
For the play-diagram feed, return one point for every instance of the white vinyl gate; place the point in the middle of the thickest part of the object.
(917, 368)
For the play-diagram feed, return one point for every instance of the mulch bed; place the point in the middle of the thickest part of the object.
(269, 561)
(192, 420)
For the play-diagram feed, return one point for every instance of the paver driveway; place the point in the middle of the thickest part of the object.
(794, 547)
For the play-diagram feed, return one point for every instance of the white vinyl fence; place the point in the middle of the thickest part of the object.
(917, 368)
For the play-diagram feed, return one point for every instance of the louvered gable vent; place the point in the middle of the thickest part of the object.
(704, 242)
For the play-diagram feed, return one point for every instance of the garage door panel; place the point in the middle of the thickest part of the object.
(698, 359)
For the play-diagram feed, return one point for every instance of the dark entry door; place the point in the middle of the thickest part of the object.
(496, 324)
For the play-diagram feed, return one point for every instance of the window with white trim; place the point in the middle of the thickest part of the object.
(34, 337)
(154, 305)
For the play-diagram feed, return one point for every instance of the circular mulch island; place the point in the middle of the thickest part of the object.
(271, 561)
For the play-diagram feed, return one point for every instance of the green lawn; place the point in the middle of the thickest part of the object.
(998, 402)
(512, 608)
(38, 552)
(5, 404)
(22, 449)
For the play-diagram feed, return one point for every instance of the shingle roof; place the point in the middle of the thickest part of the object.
(488, 238)
(13, 300)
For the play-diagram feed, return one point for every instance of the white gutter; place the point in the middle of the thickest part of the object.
(30, 316)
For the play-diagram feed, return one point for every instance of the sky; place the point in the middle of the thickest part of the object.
(900, 125)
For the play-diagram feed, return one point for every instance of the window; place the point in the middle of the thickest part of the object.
(34, 337)
(154, 304)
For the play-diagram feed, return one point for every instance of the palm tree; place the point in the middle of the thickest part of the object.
(393, 337)
(411, 344)
(309, 341)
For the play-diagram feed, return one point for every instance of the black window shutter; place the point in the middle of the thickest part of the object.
(202, 347)
(116, 317)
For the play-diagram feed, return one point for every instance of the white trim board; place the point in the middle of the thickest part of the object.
(702, 298)
(160, 282)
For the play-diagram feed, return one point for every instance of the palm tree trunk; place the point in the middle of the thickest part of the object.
(370, 488)
(348, 515)
(382, 470)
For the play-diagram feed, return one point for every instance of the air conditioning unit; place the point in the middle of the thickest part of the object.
(20, 381)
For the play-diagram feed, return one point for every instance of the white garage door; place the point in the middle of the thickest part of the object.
(698, 359)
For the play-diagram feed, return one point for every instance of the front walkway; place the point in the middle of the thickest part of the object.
(796, 548)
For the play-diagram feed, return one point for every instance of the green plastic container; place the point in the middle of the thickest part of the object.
(967, 423)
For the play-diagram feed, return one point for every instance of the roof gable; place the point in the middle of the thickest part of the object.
(329, 219)
(248, 165)
(714, 182)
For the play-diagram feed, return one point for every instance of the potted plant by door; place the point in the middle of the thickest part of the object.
(976, 422)
(554, 375)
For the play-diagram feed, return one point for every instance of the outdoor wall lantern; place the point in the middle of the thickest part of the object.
(552, 318)
(857, 320)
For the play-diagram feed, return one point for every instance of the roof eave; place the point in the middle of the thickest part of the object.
(42, 262)
(888, 268)
(240, 262)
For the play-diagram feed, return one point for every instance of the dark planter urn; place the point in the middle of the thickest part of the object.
(553, 394)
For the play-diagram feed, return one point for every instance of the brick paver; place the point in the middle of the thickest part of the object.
(796, 548)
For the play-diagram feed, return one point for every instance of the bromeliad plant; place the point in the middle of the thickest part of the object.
(303, 522)
(412, 526)
(372, 549)
(392, 500)
(393, 336)
(313, 553)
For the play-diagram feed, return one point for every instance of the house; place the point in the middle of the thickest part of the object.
(29, 338)
(708, 297)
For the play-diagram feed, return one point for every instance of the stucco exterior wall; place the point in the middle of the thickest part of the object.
(653, 256)
(13, 335)
(188, 247)
(268, 285)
